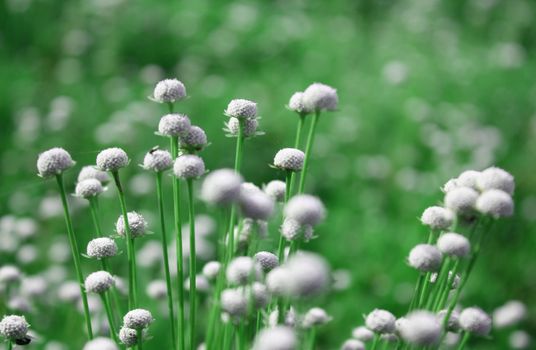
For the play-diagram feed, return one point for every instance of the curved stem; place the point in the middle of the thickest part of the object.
(193, 268)
(75, 253)
(299, 129)
(375, 341)
(308, 150)
(441, 280)
(464, 341)
(93, 205)
(281, 247)
(109, 314)
(417, 292)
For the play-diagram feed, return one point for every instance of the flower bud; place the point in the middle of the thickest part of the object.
(380, 321)
(421, 328)
(91, 172)
(128, 336)
(137, 319)
(276, 338)
(305, 209)
(234, 302)
(100, 343)
(157, 160)
(169, 91)
(99, 282)
(461, 200)
(362, 333)
(242, 270)
(290, 159)
(189, 166)
(100, 248)
(14, 327)
(257, 206)
(320, 97)
(136, 223)
(425, 258)
(240, 108)
(296, 103)
(54, 162)
(250, 126)
(468, 178)
(221, 187)
(268, 261)
(496, 178)
(211, 270)
(88, 188)
(315, 317)
(112, 159)
(454, 245)
(353, 344)
(495, 203)
(476, 321)
(174, 125)
(276, 189)
(437, 218)
(194, 140)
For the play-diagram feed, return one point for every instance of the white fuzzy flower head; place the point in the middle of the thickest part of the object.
(14, 327)
(102, 247)
(34, 286)
(136, 223)
(157, 160)
(290, 159)
(496, 178)
(293, 230)
(256, 293)
(99, 282)
(296, 103)
(189, 166)
(305, 209)
(69, 292)
(100, 343)
(241, 108)
(112, 159)
(138, 319)
(257, 205)
(276, 338)
(315, 317)
(425, 258)
(509, 314)
(169, 91)
(88, 188)
(468, 178)
(309, 274)
(211, 270)
(250, 126)
(157, 289)
(461, 200)
(91, 172)
(421, 328)
(128, 336)
(267, 261)
(320, 97)
(437, 218)
(454, 245)
(194, 140)
(453, 324)
(9, 274)
(221, 187)
(353, 344)
(279, 281)
(520, 340)
(242, 270)
(380, 321)
(53, 162)
(474, 320)
(276, 189)
(362, 333)
(174, 125)
(495, 203)
(234, 302)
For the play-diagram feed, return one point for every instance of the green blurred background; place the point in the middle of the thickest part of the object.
(427, 89)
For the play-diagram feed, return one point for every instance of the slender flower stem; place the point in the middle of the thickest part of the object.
(445, 292)
(114, 292)
(281, 247)
(312, 338)
(109, 314)
(193, 268)
(465, 339)
(417, 292)
(301, 121)
(132, 291)
(441, 280)
(75, 252)
(308, 150)
(375, 341)
(139, 335)
(160, 199)
(9, 345)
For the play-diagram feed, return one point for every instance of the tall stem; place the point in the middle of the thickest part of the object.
(308, 150)
(139, 335)
(9, 345)
(375, 341)
(109, 314)
(281, 247)
(464, 341)
(193, 268)
(160, 199)
(94, 215)
(75, 253)
(299, 130)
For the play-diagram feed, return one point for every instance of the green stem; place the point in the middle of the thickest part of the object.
(465, 339)
(75, 253)
(281, 247)
(417, 292)
(139, 335)
(109, 314)
(375, 341)
(114, 292)
(160, 199)
(445, 292)
(308, 150)
(301, 121)
(312, 339)
(9, 345)
(441, 280)
(241, 336)
(94, 215)
(227, 337)
(424, 291)
(193, 268)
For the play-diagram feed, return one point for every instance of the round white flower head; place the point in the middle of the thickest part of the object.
(136, 223)
(468, 178)
(88, 188)
(256, 293)
(520, 340)
(211, 270)
(305, 209)
(296, 103)
(174, 125)
(310, 275)
(194, 140)
(450, 185)
(234, 302)
(461, 200)
(69, 292)
(91, 172)
(454, 245)
(100, 343)
(257, 205)
(495, 203)
(380, 321)
(425, 257)
(353, 344)
(157, 160)
(279, 281)
(157, 289)
(475, 320)
(54, 162)
(421, 328)
(496, 178)
(241, 108)
(112, 159)
(138, 319)
(289, 319)
(276, 189)
(242, 270)
(362, 333)
(14, 327)
(250, 126)
(290, 159)
(34, 286)
(320, 97)
(292, 230)
(99, 282)
(276, 338)
(268, 261)
(128, 336)
(189, 166)
(102, 247)
(169, 91)
(453, 324)
(315, 317)
(221, 187)
(9, 274)
(437, 218)
(509, 314)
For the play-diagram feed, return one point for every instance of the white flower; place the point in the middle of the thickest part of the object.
(250, 126)
(380, 321)
(234, 302)
(320, 97)
(495, 203)
(240, 108)
(461, 200)
(315, 317)
(136, 223)
(290, 159)
(276, 338)
(91, 172)
(14, 327)
(276, 189)
(353, 344)
(88, 188)
(242, 270)
(454, 245)
(305, 209)
(128, 336)
(475, 320)
(221, 187)
(257, 205)
(157, 160)
(137, 319)
(362, 333)
(100, 343)
(112, 159)
(211, 270)
(509, 314)
(169, 91)
(425, 257)
(174, 125)
(268, 261)
(296, 103)
(99, 282)
(194, 140)
(437, 218)
(54, 162)
(421, 328)
(496, 178)
(100, 248)
(189, 166)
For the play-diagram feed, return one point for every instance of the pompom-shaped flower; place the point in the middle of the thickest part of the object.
(211, 270)
(234, 302)
(91, 172)
(256, 293)
(468, 178)
(14, 327)
(305, 209)
(221, 187)
(496, 178)
(242, 270)
(454, 245)
(290, 159)
(509, 314)
(112, 159)
(276, 189)
(157, 160)
(189, 166)
(157, 289)
(421, 328)
(138, 319)
(102, 247)
(267, 261)
(453, 323)
(353, 344)
(100, 343)
(250, 126)
(276, 338)
(425, 257)
(256, 205)
(293, 230)
(69, 292)
(169, 91)
(279, 281)
(296, 103)
(310, 275)
(128, 336)
(99, 282)
(474, 320)
(54, 162)
(136, 223)
(495, 203)
(461, 200)
(320, 97)
(437, 218)
(362, 333)
(9, 274)
(174, 125)
(88, 188)
(380, 321)
(240, 108)
(315, 317)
